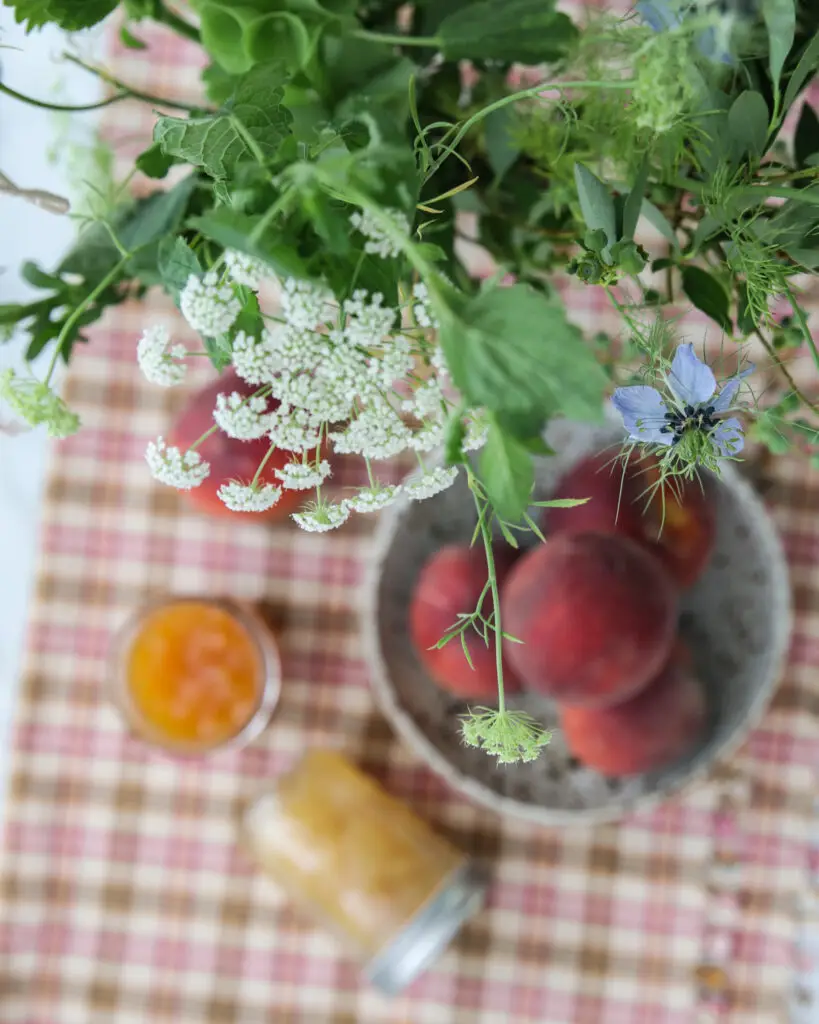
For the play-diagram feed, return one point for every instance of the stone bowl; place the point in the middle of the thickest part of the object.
(737, 619)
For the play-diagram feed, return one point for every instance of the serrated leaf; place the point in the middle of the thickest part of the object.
(69, 15)
(177, 261)
(748, 124)
(251, 126)
(507, 473)
(527, 31)
(153, 162)
(596, 203)
(707, 294)
(780, 22)
(513, 351)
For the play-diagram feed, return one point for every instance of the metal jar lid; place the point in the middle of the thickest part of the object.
(428, 933)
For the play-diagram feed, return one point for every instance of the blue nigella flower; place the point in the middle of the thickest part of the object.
(663, 15)
(693, 407)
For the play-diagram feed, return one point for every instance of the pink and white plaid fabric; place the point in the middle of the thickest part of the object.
(124, 898)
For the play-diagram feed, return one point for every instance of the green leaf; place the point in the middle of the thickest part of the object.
(748, 124)
(634, 202)
(234, 230)
(806, 137)
(808, 63)
(219, 352)
(158, 215)
(251, 126)
(177, 261)
(745, 322)
(561, 502)
(501, 149)
(528, 31)
(513, 351)
(70, 15)
(780, 21)
(596, 203)
(507, 473)
(707, 294)
(153, 163)
(38, 278)
(130, 41)
(658, 220)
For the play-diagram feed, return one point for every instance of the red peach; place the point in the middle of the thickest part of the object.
(451, 582)
(229, 459)
(652, 729)
(595, 615)
(676, 522)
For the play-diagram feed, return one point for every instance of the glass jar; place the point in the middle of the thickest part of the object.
(364, 864)
(194, 676)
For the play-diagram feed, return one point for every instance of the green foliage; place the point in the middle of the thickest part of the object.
(780, 21)
(251, 126)
(707, 294)
(507, 473)
(70, 15)
(527, 31)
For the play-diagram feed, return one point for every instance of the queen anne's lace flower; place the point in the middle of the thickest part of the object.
(477, 431)
(242, 417)
(298, 476)
(432, 483)
(209, 307)
(294, 430)
(377, 433)
(244, 269)
(378, 243)
(158, 363)
(169, 465)
(429, 437)
(305, 305)
(422, 308)
(321, 517)
(254, 360)
(369, 323)
(244, 498)
(372, 499)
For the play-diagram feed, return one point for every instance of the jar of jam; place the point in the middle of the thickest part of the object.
(364, 864)
(194, 676)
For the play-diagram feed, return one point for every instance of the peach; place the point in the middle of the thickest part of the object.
(676, 523)
(595, 614)
(451, 582)
(653, 729)
(229, 459)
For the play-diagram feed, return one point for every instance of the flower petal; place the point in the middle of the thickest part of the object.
(728, 437)
(729, 389)
(643, 411)
(691, 380)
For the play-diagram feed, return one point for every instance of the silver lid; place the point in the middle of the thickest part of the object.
(429, 932)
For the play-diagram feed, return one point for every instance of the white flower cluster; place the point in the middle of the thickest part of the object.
(169, 465)
(373, 499)
(245, 270)
(209, 306)
(301, 476)
(243, 418)
(432, 483)
(378, 432)
(422, 307)
(322, 516)
(158, 362)
(244, 498)
(379, 243)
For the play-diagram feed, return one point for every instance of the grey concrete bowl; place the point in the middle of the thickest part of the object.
(737, 619)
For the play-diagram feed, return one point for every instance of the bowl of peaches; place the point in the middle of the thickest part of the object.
(652, 625)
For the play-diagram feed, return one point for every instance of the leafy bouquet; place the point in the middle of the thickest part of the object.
(343, 151)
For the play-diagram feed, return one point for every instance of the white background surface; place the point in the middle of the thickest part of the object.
(27, 135)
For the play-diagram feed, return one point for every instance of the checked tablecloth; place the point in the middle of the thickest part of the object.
(124, 898)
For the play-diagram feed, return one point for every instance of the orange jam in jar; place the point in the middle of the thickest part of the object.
(196, 675)
(364, 864)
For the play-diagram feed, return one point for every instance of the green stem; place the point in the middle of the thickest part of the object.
(173, 21)
(803, 323)
(59, 107)
(204, 437)
(803, 398)
(486, 534)
(109, 279)
(262, 464)
(397, 39)
(125, 91)
(513, 98)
